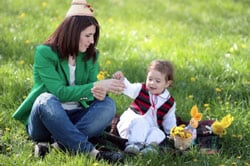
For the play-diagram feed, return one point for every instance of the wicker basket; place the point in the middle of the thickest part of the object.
(182, 143)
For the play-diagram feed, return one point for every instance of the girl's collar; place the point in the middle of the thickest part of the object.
(165, 94)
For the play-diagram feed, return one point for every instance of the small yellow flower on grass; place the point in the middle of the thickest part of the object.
(44, 4)
(8, 149)
(217, 89)
(7, 129)
(193, 79)
(22, 15)
(95, 164)
(108, 62)
(110, 20)
(206, 105)
(243, 45)
(234, 163)
(21, 62)
(27, 42)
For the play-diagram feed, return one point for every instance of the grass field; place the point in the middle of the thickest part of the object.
(207, 41)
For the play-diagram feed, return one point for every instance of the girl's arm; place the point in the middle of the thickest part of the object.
(131, 89)
(169, 120)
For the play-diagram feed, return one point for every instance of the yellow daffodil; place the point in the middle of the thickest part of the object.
(102, 75)
(227, 120)
(195, 114)
(219, 127)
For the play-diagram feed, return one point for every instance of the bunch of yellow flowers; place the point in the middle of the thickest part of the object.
(180, 131)
(102, 75)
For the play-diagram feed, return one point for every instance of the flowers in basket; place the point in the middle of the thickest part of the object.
(182, 137)
(180, 131)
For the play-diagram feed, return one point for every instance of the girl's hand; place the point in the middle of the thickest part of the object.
(118, 75)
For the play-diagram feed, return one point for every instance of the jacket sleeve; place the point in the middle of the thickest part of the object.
(48, 71)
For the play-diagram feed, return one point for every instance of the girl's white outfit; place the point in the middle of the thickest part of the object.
(144, 128)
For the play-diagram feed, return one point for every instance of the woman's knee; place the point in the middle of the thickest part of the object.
(45, 97)
(99, 117)
(46, 105)
(108, 106)
(110, 103)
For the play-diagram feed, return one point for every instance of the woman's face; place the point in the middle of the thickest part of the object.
(156, 82)
(86, 38)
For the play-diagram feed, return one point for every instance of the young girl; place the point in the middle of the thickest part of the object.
(152, 113)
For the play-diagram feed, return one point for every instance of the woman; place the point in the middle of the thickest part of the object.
(66, 104)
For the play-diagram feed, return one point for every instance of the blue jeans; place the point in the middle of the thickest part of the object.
(70, 128)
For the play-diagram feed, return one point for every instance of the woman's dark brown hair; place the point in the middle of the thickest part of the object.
(65, 40)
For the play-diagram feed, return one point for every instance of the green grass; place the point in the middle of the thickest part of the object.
(207, 41)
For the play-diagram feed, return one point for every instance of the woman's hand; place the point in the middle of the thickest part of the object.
(111, 85)
(99, 92)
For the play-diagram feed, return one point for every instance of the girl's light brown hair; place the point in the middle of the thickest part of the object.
(164, 67)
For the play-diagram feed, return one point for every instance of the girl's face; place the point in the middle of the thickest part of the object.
(156, 82)
(86, 38)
